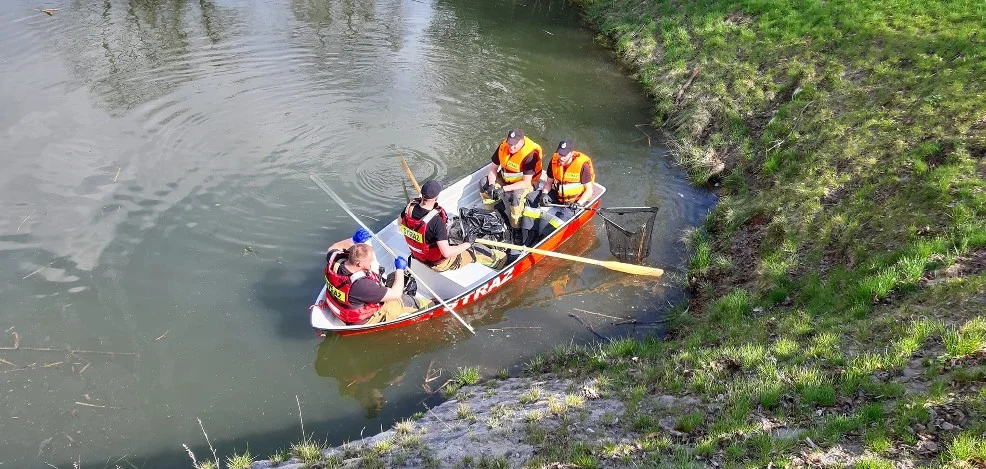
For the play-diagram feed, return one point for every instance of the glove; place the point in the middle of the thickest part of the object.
(539, 199)
(361, 236)
(400, 263)
(575, 206)
(497, 193)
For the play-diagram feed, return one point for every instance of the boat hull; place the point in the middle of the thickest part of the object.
(517, 268)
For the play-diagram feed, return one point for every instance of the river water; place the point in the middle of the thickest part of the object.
(160, 241)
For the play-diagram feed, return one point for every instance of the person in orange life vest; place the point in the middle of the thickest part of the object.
(516, 168)
(570, 180)
(356, 294)
(424, 225)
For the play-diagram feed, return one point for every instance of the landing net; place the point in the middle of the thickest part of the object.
(629, 231)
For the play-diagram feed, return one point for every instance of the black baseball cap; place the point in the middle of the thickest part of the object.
(514, 136)
(431, 189)
(564, 147)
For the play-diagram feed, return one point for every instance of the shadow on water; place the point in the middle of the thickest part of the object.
(286, 293)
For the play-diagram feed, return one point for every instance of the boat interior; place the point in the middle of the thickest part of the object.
(449, 284)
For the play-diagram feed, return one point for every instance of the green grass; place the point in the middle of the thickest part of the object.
(966, 448)
(848, 142)
(463, 376)
(239, 461)
(463, 412)
(689, 422)
(968, 339)
(279, 456)
(532, 395)
(309, 451)
(403, 427)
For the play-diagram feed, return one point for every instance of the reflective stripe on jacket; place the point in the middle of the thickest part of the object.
(510, 165)
(567, 180)
(414, 233)
(337, 291)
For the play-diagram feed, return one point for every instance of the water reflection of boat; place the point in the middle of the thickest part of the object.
(366, 364)
(461, 287)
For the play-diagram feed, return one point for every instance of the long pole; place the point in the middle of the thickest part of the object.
(410, 175)
(325, 187)
(611, 265)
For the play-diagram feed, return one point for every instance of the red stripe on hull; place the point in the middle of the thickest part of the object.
(504, 277)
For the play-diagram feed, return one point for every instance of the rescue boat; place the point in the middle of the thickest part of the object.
(460, 287)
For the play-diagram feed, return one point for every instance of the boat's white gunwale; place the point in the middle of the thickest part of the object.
(360, 327)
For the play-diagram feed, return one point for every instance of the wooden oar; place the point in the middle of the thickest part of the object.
(410, 175)
(612, 265)
(325, 188)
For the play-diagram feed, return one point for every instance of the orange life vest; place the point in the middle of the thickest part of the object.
(414, 232)
(568, 179)
(337, 291)
(510, 165)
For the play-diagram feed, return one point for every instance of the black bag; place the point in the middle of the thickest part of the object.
(410, 285)
(488, 224)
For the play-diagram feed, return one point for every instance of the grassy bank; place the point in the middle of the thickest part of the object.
(838, 315)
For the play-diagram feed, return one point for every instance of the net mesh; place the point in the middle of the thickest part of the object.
(629, 231)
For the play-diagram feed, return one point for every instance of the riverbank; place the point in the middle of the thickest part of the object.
(838, 288)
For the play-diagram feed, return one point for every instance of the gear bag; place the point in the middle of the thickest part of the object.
(488, 224)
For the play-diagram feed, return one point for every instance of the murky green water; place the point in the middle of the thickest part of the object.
(154, 203)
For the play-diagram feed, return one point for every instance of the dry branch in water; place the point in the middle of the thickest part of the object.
(25, 220)
(36, 271)
(601, 314)
(17, 340)
(647, 135)
(98, 406)
(49, 11)
(299, 416)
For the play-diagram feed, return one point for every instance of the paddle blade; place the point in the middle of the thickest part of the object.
(632, 269)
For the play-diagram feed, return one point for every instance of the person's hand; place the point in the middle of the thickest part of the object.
(361, 236)
(471, 238)
(575, 206)
(497, 192)
(539, 200)
(400, 263)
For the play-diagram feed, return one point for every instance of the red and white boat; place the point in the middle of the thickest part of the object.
(459, 287)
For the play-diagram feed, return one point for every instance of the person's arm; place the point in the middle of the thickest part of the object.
(396, 291)
(341, 245)
(586, 175)
(449, 251)
(437, 233)
(586, 196)
(491, 175)
(360, 236)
